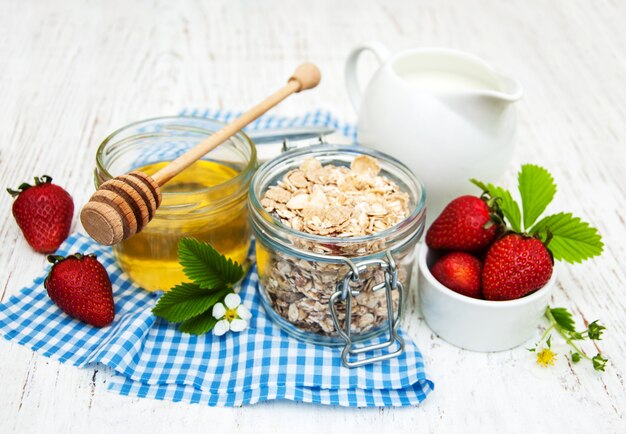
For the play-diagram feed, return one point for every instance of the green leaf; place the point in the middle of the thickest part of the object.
(508, 206)
(198, 325)
(187, 300)
(549, 341)
(206, 266)
(563, 318)
(599, 362)
(484, 187)
(537, 189)
(506, 203)
(575, 357)
(569, 238)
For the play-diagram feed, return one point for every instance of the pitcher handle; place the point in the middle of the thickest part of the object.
(354, 90)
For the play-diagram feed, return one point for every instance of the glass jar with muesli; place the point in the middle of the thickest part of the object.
(336, 229)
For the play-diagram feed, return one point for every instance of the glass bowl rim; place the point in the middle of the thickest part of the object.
(245, 172)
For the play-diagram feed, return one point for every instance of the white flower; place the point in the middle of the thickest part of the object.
(233, 316)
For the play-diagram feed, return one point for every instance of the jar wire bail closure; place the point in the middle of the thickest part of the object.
(345, 292)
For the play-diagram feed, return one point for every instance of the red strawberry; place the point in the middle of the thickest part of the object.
(459, 271)
(81, 287)
(465, 224)
(44, 213)
(515, 266)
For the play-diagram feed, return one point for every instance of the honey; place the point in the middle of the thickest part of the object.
(150, 258)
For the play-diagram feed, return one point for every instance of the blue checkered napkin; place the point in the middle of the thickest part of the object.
(151, 358)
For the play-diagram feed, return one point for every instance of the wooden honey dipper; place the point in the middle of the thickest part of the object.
(124, 205)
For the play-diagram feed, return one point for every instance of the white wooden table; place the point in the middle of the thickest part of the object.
(73, 71)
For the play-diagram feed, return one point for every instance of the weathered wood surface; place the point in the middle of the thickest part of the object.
(72, 71)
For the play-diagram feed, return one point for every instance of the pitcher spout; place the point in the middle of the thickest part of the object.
(508, 89)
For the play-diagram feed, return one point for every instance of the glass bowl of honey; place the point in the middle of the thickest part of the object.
(206, 201)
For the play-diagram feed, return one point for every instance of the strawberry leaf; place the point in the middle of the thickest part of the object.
(484, 187)
(568, 238)
(198, 325)
(563, 318)
(191, 303)
(206, 266)
(187, 300)
(537, 189)
(508, 206)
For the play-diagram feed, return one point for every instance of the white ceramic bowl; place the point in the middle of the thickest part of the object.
(473, 324)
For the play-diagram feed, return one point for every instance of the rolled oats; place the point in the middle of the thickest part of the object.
(340, 202)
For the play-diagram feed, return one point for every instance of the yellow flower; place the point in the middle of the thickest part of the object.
(546, 357)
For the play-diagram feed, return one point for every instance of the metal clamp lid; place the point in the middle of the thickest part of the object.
(271, 143)
(345, 292)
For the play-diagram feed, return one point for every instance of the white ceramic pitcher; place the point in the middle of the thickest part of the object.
(446, 114)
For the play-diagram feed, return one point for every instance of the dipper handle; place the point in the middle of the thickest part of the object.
(306, 76)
